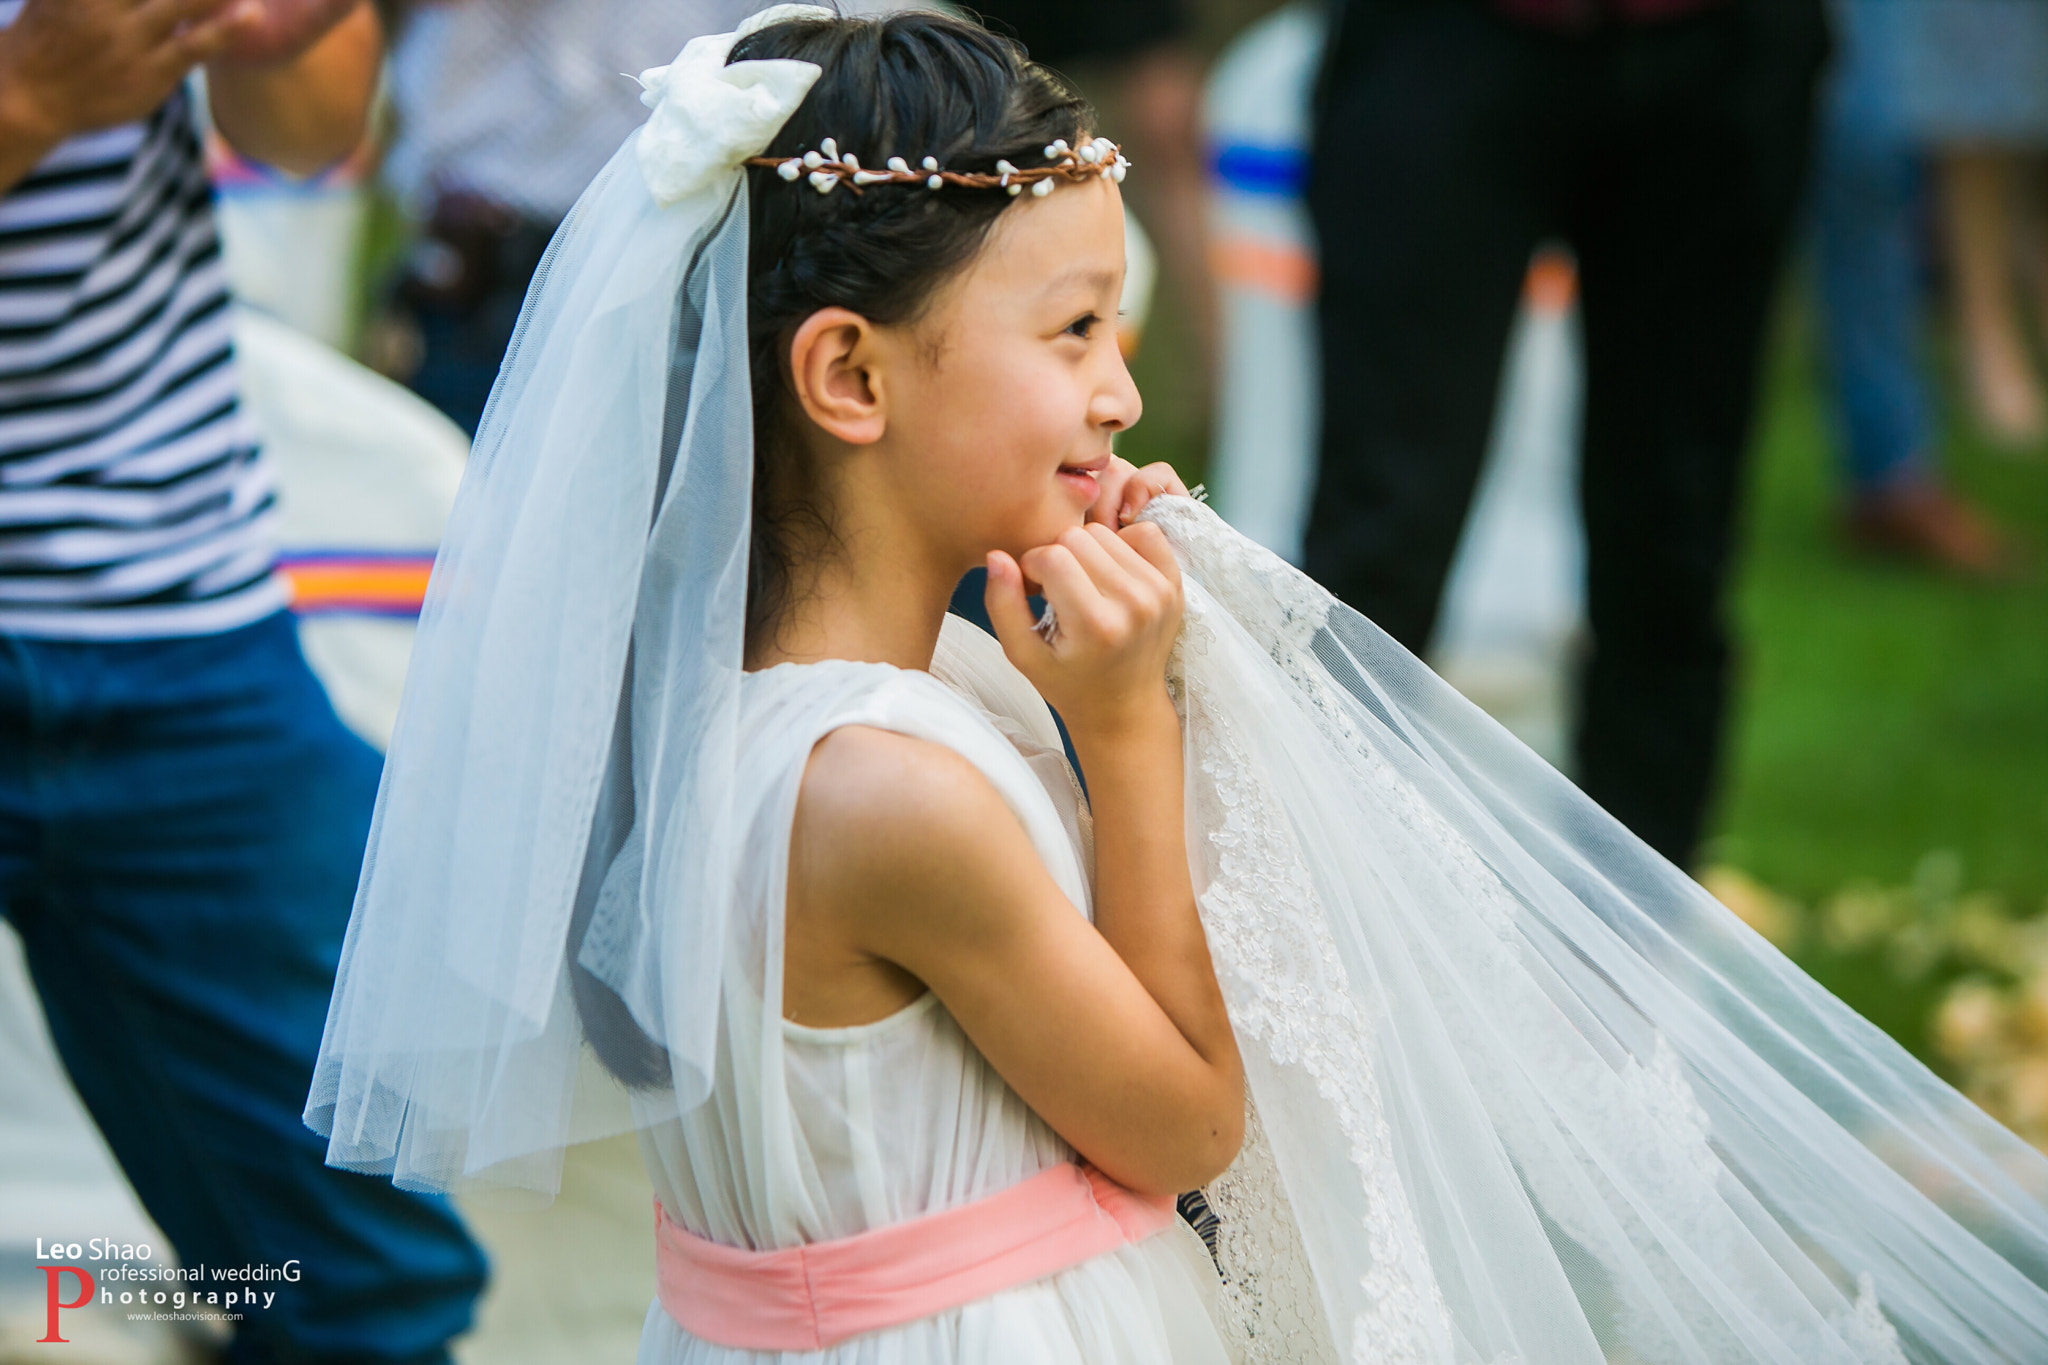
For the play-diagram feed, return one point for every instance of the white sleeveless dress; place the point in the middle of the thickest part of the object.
(813, 1134)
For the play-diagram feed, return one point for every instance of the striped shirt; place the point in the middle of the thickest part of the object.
(133, 499)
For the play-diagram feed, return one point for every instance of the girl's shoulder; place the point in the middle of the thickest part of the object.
(912, 743)
(868, 789)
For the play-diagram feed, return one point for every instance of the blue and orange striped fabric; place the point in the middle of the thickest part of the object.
(357, 582)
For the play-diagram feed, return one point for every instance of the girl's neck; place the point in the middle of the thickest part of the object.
(868, 607)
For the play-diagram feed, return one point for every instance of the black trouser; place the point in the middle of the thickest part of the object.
(1670, 157)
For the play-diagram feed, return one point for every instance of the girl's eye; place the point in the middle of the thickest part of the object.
(1083, 325)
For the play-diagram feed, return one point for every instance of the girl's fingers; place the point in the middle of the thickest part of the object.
(1102, 584)
(1136, 568)
(1124, 489)
(1062, 581)
(1086, 544)
(1154, 480)
(1111, 485)
(1009, 608)
(1136, 494)
(1150, 544)
(1136, 593)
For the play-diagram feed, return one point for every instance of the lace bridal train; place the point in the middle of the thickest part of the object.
(1524, 1094)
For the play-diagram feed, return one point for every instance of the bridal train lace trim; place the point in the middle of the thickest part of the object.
(1288, 992)
(1613, 1156)
(1271, 1315)
(1866, 1329)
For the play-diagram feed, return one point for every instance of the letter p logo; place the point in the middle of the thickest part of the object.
(84, 1296)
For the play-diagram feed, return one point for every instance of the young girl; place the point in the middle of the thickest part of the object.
(924, 1017)
(936, 385)
(703, 819)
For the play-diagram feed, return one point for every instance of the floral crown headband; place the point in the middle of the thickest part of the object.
(827, 167)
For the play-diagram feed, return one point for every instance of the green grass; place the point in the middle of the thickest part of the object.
(1883, 714)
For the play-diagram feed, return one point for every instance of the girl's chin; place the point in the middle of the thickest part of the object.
(1031, 525)
(1048, 526)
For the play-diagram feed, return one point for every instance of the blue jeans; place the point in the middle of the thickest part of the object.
(181, 824)
(1867, 194)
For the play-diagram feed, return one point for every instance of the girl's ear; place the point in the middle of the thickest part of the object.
(834, 367)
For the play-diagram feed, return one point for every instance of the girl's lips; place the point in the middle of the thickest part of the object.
(1081, 482)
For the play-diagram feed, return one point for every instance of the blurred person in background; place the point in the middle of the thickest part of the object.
(505, 110)
(1991, 203)
(1666, 142)
(1976, 76)
(1868, 199)
(182, 816)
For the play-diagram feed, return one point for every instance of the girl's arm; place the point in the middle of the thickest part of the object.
(905, 860)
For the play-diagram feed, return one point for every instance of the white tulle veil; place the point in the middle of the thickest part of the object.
(564, 753)
(1522, 1093)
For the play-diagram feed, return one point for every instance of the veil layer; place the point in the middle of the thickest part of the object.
(1523, 1093)
(555, 810)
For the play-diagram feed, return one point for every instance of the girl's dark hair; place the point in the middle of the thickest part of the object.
(910, 85)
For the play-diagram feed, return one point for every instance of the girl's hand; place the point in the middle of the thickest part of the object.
(1125, 489)
(1115, 603)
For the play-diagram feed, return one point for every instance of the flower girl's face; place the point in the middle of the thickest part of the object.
(1003, 416)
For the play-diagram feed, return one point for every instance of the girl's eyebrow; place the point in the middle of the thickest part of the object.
(1098, 278)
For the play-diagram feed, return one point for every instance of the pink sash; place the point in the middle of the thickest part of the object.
(809, 1297)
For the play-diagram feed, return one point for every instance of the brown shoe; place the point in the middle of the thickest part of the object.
(1924, 523)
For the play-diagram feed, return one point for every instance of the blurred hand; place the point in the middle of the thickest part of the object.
(72, 66)
(284, 29)
(1123, 489)
(1115, 599)
(293, 92)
